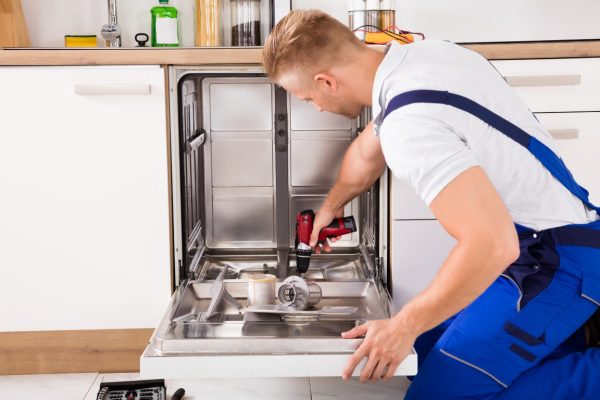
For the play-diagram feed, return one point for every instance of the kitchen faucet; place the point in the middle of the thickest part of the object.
(111, 32)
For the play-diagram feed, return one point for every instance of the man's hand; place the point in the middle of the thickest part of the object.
(362, 165)
(387, 343)
(323, 217)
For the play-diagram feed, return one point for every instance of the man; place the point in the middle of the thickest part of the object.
(504, 317)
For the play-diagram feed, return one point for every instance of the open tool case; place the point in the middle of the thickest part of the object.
(133, 390)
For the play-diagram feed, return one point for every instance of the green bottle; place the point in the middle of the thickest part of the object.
(165, 29)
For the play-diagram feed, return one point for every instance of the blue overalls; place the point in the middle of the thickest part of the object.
(523, 337)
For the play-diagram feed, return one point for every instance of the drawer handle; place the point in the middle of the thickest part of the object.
(101, 90)
(564, 134)
(543, 80)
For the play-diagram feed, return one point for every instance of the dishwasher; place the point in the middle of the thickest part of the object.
(246, 158)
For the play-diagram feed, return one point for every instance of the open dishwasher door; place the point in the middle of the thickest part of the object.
(247, 158)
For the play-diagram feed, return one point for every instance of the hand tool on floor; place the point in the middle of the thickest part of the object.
(304, 228)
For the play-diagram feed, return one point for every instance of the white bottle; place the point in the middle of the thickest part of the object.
(357, 17)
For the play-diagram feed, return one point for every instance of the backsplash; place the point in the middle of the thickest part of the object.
(458, 20)
(49, 21)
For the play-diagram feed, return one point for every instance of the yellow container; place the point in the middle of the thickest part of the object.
(208, 22)
(384, 38)
(81, 41)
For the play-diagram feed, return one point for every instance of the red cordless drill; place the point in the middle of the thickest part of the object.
(304, 228)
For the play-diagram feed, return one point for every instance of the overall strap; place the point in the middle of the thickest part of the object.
(545, 155)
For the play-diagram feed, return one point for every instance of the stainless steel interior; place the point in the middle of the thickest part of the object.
(250, 158)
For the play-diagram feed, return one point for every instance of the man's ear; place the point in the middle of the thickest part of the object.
(326, 81)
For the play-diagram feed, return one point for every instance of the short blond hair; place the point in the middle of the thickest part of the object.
(307, 39)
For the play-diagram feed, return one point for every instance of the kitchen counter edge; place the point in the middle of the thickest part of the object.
(245, 56)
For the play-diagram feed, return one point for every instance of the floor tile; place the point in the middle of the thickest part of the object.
(224, 389)
(46, 387)
(337, 388)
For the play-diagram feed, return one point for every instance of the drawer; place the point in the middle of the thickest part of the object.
(406, 204)
(418, 250)
(578, 141)
(555, 85)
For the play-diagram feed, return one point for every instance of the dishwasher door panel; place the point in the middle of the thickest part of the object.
(255, 366)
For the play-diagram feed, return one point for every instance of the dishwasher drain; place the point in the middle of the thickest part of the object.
(298, 293)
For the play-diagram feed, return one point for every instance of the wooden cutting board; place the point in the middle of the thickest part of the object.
(13, 30)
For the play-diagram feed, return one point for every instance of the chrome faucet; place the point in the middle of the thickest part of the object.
(111, 32)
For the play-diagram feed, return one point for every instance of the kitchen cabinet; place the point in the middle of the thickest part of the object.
(405, 203)
(577, 136)
(554, 85)
(418, 249)
(562, 94)
(84, 237)
(470, 21)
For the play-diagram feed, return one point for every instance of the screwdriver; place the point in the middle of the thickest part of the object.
(178, 395)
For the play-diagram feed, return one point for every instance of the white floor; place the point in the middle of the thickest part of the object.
(85, 387)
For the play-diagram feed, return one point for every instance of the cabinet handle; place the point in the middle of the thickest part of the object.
(543, 80)
(100, 90)
(564, 134)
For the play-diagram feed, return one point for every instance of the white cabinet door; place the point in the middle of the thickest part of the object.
(578, 141)
(405, 202)
(84, 211)
(418, 250)
(486, 21)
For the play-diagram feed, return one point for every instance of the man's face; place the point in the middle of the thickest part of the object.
(324, 95)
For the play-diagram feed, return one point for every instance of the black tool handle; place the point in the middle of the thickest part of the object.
(178, 395)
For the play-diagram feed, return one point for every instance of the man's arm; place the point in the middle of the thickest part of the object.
(472, 212)
(362, 165)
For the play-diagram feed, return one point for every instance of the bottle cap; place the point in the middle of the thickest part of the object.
(356, 5)
(387, 5)
(163, 1)
(372, 5)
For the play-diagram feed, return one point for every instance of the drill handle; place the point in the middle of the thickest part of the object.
(339, 227)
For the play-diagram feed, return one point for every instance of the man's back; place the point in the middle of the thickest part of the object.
(428, 145)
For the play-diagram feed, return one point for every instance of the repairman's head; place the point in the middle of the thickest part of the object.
(317, 58)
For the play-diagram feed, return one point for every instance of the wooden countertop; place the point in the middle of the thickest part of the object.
(252, 55)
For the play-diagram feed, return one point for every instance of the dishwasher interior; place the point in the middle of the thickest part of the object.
(248, 157)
